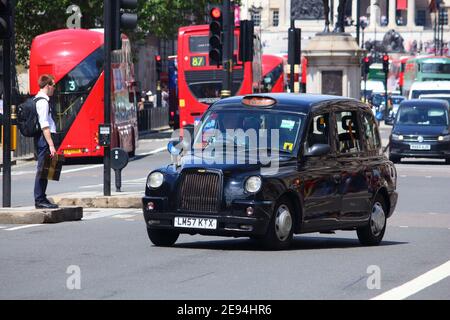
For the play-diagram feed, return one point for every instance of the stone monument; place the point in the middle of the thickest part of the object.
(334, 59)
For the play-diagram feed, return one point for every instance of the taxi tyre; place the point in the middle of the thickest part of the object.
(162, 238)
(366, 234)
(284, 212)
(447, 161)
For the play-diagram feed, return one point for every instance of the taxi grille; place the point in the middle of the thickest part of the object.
(200, 192)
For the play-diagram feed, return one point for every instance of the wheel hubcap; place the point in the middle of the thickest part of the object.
(377, 219)
(283, 223)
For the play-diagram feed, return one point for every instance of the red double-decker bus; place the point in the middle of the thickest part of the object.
(273, 75)
(76, 58)
(199, 83)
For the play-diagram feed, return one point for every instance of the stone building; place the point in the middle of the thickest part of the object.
(413, 19)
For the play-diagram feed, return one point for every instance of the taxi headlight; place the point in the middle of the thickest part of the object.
(444, 138)
(253, 184)
(397, 137)
(155, 180)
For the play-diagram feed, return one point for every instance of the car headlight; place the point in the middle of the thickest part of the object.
(444, 138)
(253, 184)
(155, 180)
(397, 137)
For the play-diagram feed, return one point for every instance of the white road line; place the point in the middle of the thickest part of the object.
(3, 227)
(81, 169)
(23, 227)
(138, 181)
(417, 284)
(123, 216)
(99, 215)
(403, 227)
(152, 152)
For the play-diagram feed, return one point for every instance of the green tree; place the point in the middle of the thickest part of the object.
(158, 17)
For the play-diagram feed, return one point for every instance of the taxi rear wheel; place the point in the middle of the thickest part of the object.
(281, 227)
(372, 233)
(162, 238)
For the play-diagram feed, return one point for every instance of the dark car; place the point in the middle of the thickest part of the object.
(329, 174)
(421, 130)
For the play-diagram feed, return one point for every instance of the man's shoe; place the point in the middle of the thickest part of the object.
(46, 205)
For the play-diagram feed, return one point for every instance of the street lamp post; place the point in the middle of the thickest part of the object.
(363, 25)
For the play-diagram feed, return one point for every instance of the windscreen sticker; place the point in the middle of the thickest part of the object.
(287, 124)
(288, 146)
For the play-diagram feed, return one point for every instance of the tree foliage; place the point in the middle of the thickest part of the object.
(158, 17)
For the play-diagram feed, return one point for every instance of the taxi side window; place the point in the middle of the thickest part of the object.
(319, 130)
(370, 132)
(348, 132)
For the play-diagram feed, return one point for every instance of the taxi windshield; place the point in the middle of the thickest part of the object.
(423, 116)
(256, 128)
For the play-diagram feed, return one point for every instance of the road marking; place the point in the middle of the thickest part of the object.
(23, 227)
(429, 177)
(152, 152)
(417, 284)
(403, 227)
(133, 182)
(123, 216)
(99, 215)
(403, 176)
(81, 169)
(3, 227)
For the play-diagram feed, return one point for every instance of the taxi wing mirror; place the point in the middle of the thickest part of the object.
(318, 150)
(176, 147)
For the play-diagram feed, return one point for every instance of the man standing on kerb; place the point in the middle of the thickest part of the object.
(43, 142)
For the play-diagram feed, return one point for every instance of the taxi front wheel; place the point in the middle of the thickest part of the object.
(162, 238)
(281, 228)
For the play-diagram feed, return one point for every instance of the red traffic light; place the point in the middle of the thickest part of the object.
(215, 13)
(158, 58)
(385, 58)
(366, 59)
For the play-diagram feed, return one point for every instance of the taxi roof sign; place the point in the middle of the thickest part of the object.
(258, 101)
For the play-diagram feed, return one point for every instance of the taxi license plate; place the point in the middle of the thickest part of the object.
(198, 223)
(420, 147)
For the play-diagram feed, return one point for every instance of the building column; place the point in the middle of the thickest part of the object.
(354, 13)
(374, 14)
(411, 14)
(392, 9)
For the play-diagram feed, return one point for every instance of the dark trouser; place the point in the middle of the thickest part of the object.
(40, 185)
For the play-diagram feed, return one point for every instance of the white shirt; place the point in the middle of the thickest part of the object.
(43, 110)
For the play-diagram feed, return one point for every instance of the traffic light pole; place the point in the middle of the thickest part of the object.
(7, 80)
(291, 39)
(7, 123)
(107, 16)
(386, 110)
(228, 44)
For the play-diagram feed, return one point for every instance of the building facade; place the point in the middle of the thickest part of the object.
(415, 20)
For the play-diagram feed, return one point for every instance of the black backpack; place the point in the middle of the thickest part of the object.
(28, 119)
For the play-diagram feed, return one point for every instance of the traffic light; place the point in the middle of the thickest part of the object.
(121, 19)
(5, 19)
(158, 64)
(385, 64)
(367, 61)
(215, 36)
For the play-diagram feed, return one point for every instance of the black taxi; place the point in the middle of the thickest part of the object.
(268, 166)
